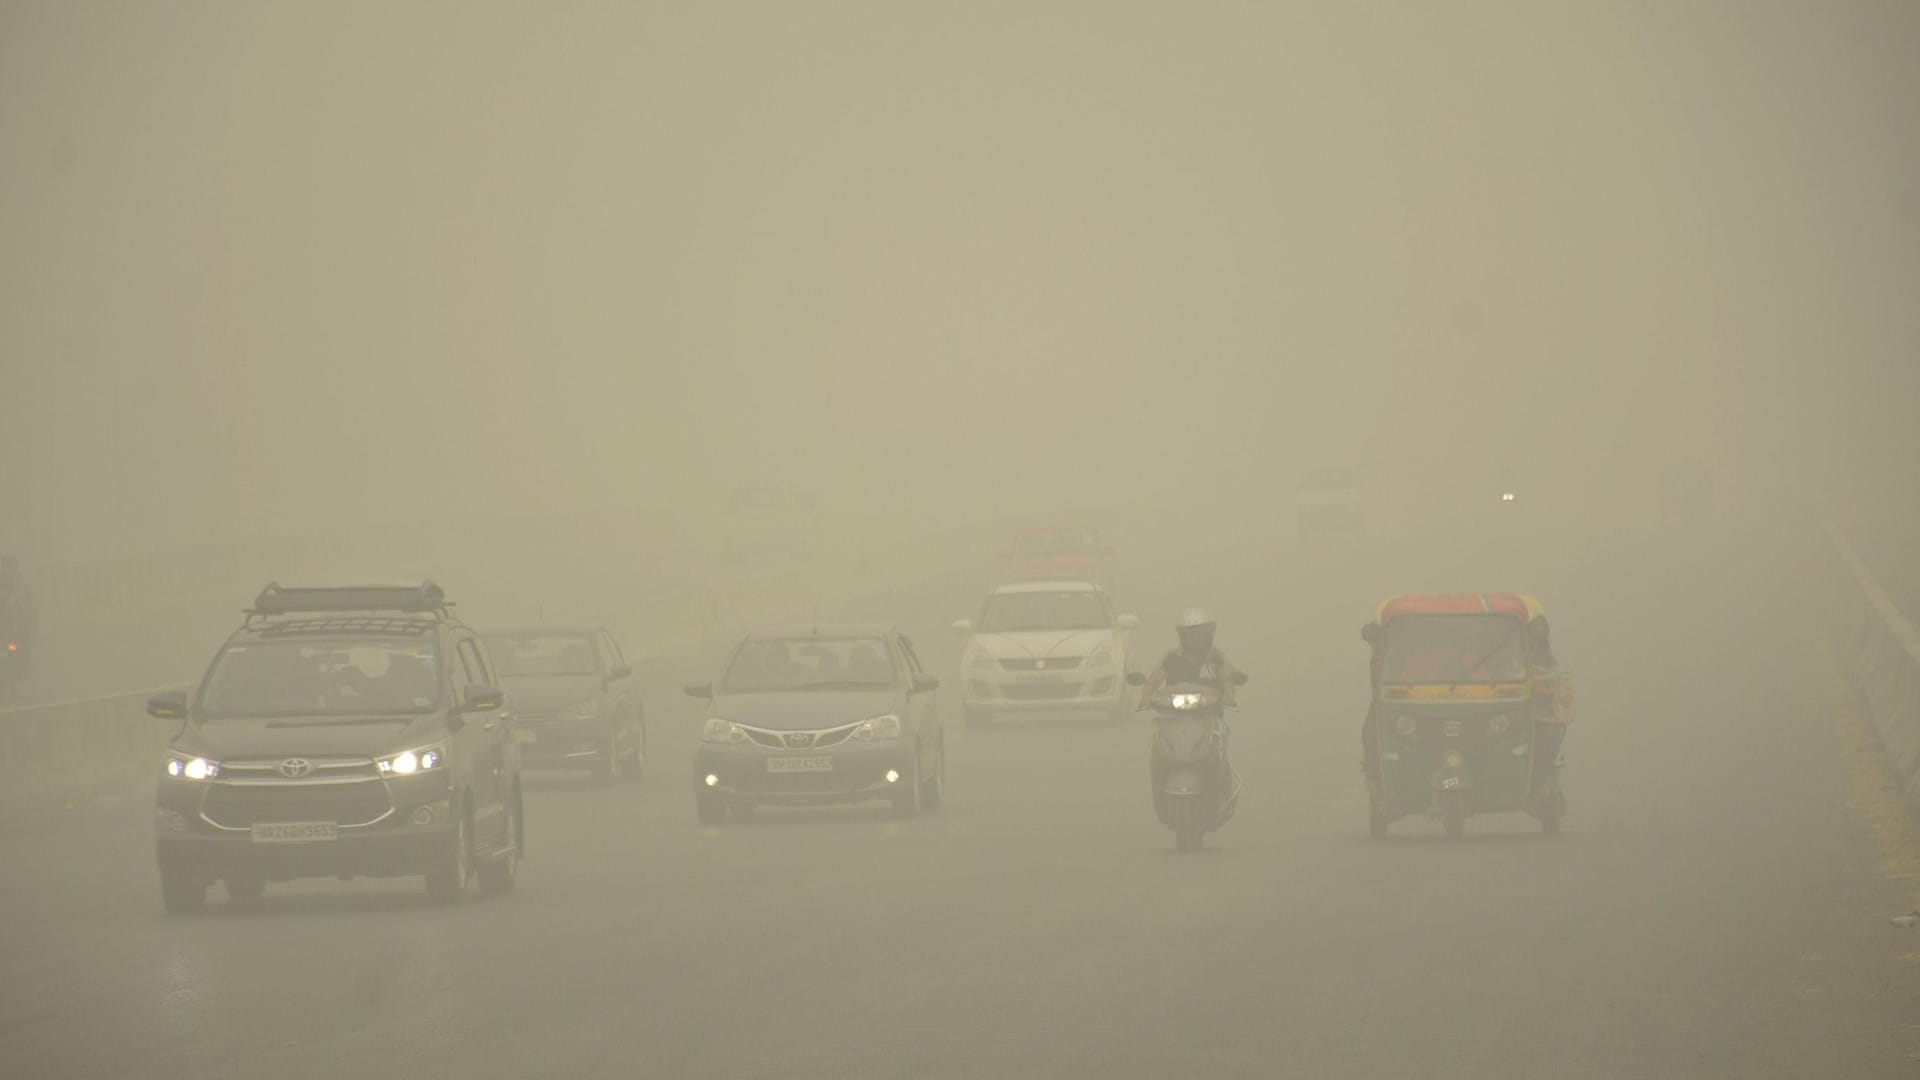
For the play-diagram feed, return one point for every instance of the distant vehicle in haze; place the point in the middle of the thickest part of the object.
(573, 699)
(1331, 502)
(1045, 646)
(812, 715)
(356, 731)
(768, 522)
(1057, 553)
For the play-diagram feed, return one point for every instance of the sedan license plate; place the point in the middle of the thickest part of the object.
(294, 832)
(818, 763)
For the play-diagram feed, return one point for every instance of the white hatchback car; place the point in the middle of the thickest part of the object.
(1046, 646)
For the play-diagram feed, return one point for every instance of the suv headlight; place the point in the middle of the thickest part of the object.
(183, 767)
(880, 727)
(721, 731)
(408, 762)
(584, 710)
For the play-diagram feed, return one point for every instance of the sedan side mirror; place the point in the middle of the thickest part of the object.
(699, 689)
(924, 683)
(961, 626)
(1134, 678)
(1126, 622)
(480, 697)
(168, 705)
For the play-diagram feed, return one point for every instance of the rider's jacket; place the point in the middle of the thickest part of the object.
(1211, 669)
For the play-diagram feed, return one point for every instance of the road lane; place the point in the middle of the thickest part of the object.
(1713, 908)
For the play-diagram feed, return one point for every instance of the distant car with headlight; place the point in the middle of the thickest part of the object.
(357, 731)
(1046, 646)
(574, 705)
(820, 714)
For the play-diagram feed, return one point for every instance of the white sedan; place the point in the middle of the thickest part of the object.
(1046, 646)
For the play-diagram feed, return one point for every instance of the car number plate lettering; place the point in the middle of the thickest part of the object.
(294, 832)
(799, 764)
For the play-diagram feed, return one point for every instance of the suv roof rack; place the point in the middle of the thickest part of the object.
(423, 598)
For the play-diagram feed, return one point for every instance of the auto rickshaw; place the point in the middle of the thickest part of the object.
(1469, 711)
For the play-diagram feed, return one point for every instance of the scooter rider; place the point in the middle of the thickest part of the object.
(1195, 661)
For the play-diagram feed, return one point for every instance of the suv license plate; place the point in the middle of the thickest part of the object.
(295, 832)
(800, 764)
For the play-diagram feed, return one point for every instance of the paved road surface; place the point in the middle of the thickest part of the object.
(1716, 907)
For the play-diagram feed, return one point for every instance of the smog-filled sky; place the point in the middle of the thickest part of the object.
(288, 268)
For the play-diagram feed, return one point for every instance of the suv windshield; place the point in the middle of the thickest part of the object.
(1079, 610)
(1453, 649)
(321, 678)
(809, 663)
(542, 654)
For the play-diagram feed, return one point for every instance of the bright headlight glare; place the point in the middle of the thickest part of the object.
(1185, 701)
(197, 768)
(408, 762)
(721, 731)
(880, 727)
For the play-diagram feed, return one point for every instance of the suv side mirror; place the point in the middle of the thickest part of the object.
(480, 697)
(621, 671)
(1134, 678)
(924, 683)
(168, 705)
(699, 689)
(1126, 622)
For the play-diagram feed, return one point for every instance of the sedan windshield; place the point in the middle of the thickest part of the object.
(321, 678)
(1453, 649)
(541, 654)
(1079, 610)
(810, 663)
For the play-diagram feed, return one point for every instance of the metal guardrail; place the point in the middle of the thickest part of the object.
(1880, 651)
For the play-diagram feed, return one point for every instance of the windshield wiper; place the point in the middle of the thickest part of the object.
(1482, 662)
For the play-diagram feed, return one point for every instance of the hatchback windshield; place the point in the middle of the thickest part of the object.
(1453, 649)
(541, 654)
(1079, 610)
(810, 663)
(319, 678)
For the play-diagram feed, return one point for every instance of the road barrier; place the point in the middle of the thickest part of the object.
(65, 750)
(1880, 651)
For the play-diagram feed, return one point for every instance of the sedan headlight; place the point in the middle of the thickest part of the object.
(721, 731)
(182, 767)
(408, 762)
(880, 727)
(584, 710)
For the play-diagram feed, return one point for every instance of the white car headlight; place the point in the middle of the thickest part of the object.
(182, 767)
(979, 658)
(583, 710)
(1102, 656)
(721, 731)
(408, 762)
(880, 727)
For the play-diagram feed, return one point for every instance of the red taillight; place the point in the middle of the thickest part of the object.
(13, 646)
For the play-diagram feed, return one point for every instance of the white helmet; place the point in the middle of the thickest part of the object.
(1196, 631)
(1194, 616)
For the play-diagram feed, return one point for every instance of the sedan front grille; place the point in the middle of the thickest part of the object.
(816, 739)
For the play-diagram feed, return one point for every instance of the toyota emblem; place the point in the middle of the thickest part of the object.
(800, 738)
(295, 767)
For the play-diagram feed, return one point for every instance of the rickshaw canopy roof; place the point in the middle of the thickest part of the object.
(1515, 605)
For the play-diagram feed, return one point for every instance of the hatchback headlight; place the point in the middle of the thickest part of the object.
(1102, 656)
(408, 762)
(183, 767)
(880, 727)
(979, 658)
(721, 731)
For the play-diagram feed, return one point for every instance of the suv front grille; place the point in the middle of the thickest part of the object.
(241, 806)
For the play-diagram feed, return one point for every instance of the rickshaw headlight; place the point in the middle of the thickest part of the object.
(1406, 725)
(1498, 723)
(1452, 759)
